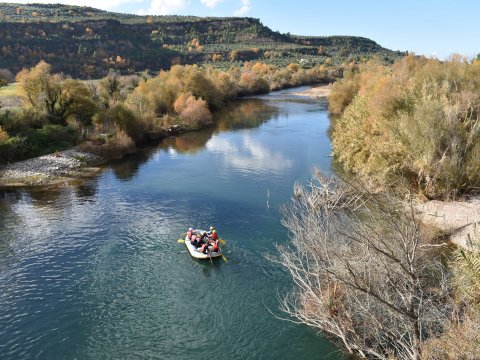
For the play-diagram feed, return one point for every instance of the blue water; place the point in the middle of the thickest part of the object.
(94, 270)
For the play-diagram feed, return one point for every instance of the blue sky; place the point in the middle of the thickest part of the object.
(431, 27)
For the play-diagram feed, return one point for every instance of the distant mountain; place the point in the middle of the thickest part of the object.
(86, 42)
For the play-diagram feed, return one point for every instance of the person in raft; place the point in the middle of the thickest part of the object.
(190, 233)
(209, 232)
(214, 235)
(215, 247)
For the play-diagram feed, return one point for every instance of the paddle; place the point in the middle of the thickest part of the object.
(181, 240)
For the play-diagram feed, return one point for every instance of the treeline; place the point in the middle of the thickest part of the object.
(84, 42)
(112, 115)
(417, 121)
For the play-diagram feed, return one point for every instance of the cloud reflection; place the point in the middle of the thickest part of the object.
(251, 156)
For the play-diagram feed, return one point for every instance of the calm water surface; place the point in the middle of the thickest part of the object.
(94, 271)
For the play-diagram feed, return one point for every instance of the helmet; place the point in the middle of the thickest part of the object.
(214, 231)
(191, 229)
(211, 227)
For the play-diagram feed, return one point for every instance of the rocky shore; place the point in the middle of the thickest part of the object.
(60, 167)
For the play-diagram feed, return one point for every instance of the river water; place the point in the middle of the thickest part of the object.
(94, 270)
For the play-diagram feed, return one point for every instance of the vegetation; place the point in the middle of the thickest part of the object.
(417, 119)
(112, 115)
(362, 271)
(372, 278)
(84, 42)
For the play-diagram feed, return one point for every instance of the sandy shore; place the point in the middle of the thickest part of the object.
(61, 167)
(459, 219)
(315, 92)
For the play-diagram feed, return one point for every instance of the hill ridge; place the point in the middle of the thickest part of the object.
(86, 42)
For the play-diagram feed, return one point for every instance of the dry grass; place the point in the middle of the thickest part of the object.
(9, 90)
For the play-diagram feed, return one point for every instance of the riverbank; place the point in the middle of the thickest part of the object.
(458, 220)
(316, 92)
(60, 167)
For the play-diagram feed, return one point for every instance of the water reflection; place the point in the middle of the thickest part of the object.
(251, 157)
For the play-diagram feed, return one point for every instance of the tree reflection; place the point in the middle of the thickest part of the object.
(243, 114)
(127, 168)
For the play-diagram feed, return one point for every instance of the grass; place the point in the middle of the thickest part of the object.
(9, 90)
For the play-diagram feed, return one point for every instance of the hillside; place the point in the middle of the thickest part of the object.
(85, 42)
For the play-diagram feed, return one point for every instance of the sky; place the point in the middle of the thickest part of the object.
(430, 27)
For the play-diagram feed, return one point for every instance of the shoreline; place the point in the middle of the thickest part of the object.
(317, 92)
(66, 166)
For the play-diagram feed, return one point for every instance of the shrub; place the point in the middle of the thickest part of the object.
(193, 112)
(417, 119)
(119, 118)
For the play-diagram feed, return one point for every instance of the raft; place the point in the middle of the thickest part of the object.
(196, 254)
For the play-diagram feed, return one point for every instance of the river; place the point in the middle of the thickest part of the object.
(94, 270)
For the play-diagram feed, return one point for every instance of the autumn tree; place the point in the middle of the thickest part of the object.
(56, 97)
(194, 112)
(109, 88)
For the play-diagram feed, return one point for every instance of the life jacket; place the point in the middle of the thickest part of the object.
(215, 246)
(214, 236)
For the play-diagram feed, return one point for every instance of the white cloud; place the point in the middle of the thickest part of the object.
(244, 9)
(211, 3)
(166, 7)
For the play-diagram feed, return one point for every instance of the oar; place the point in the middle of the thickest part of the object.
(181, 240)
(222, 241)
(224, 258)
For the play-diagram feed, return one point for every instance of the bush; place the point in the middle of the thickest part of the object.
(194, 112)
(36, 142)
(119, 118)
(417, 119)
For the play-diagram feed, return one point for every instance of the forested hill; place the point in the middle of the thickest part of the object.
(85, 42)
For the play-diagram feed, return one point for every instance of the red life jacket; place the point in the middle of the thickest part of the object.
(215, 246)
(214, 236)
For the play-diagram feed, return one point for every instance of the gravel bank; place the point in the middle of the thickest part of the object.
(49, 169)
(315, 92)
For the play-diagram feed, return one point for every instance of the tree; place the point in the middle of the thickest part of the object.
(110, 87)
(6, 77)
(39, 89)
(361, 272)
(55, 96)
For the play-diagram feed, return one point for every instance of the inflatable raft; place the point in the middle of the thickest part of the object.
(196, 252)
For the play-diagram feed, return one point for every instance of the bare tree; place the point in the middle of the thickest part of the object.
(361, 274)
